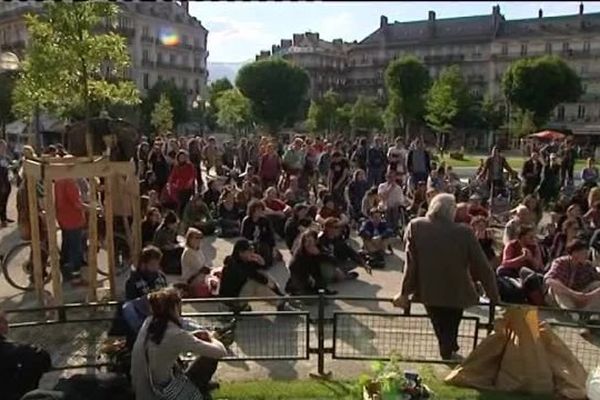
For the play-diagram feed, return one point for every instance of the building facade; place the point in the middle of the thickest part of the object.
(483, 47)
(181, 59)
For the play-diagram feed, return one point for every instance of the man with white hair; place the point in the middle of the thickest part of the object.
(444, 280)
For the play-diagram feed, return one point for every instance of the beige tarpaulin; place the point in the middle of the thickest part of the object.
(522, 356)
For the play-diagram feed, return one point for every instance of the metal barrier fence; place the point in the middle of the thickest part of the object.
(271, 335)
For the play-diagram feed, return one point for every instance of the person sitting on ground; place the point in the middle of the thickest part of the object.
(523, 252)
(330, 210)
(294, 194)
(230, 215)
(242, 276)
(212, 194)
(332, 244)
(376, 235)
(569, 231)
(590, 174)
(521, 217)
(257, 228)
(573, 283)
(296, 224)
(165, 239)
(418, 197)
(197, 215)
(195, 269)
(436, 179)
(533, 203)
(485, 236)
(276, 210)
(21, 365)
(462, 215)
(150, 225)
(371, 199)
(305, 267)
(160, 342)
(392, 200)
(182, 180)
(476, 208)
(355, 193)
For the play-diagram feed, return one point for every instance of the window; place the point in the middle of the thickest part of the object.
(145, 31)
(145, 56)
(548, 48)
(565, 47)
(184, 84)
(560, 113)
(586, 47)
(197, 85)
(186, 60)
(172, 59)
(159, 58)
(504, 49)
(523, 49)
(146, 81)
(581, 112)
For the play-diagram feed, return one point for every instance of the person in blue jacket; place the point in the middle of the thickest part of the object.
(376, 234)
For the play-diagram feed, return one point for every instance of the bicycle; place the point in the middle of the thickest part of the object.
(17, 266)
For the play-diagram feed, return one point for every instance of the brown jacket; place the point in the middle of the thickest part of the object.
(444, 260)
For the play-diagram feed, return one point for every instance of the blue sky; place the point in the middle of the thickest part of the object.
(239, 30)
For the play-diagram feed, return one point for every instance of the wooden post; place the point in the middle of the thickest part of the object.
(136, 229)
(38, 276)
(110, 239)
(93, 241)
(52, 242)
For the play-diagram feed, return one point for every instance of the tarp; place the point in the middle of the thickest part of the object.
(548, 135)
(524, 356)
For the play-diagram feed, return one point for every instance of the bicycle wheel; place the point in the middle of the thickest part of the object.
(122, 257)
(16, 266)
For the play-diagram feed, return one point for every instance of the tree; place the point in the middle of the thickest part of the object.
(177, 99)
(540, 84)
(234, 111)
(276, 90)
(162, 115)
(322, 114)
(448, 104)
(522, 123)
(366, 115)
(7, 84)
(344, 118)
(407, 82)
(492, 113)
(214, 91)
(69, 66)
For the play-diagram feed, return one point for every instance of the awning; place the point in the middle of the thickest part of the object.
(548, 135)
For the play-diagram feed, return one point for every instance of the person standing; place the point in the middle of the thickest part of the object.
(550, 184)
(182, 181)
(531, 173)
(493, 172)
(269, 167)
(376, 163)
(418, 163)
(444, 280)
(5, 187)
(568, 155)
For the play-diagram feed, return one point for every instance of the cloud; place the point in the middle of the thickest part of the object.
(227, 36)
(341, 25)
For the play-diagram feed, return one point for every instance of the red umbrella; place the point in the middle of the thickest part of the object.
(548, 135)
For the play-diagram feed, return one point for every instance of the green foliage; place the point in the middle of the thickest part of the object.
(366, 115)
(448, 101)
(323, 113)
(276, 90)
(162, 115)
(540, 84)
(217, 88)
(522, 123)
(177, 99)
(492, 113)
(67, 61)
(7, 84)
(234, 111)
(344, 118)
(407, 81)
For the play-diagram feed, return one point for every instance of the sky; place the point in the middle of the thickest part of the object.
(239, 30)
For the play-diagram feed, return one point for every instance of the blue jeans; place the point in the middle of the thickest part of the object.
(375, 175)
(71, 252)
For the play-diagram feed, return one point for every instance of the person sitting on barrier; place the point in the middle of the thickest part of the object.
(155, 369)
(197, 215)
(242, 277)
(21, 365)
(296, 224)
(165, 239)
(229, 215)
(573, 283)
(376, 234)
(257, 228)
(196, 272)
(306, 267)
(332, 244)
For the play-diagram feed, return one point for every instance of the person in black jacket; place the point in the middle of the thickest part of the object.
(296, 224)
(21, 365)
(305, 267)
(531, 173)
(257, 228)
(242, 277)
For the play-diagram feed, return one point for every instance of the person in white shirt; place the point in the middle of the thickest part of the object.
(195, 270)
(392, 199)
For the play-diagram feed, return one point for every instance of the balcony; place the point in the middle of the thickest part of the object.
(148, 39)
(444, 59)
(148, 63)
(124, 31)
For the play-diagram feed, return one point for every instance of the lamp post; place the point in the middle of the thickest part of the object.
(9, 62)
(199, 104)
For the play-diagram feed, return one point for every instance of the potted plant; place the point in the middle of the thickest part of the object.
(390, 382)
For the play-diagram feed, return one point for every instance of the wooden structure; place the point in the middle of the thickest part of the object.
(48, 170)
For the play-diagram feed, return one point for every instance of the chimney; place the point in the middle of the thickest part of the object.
(540, 14)
(383, 21)
(431, 16)
(431, 24)
(297, 38)
(581, 8)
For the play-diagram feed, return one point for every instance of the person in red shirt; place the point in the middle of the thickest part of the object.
(276, 210)
(476, 208)
(523, 252)
(70, 214)
(269, 167)
(181, 181)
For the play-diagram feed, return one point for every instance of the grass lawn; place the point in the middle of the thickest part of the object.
(344, 390)
(515, 162)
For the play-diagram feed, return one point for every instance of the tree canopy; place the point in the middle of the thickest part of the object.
(234, 111)
(540, 84)
(407, 81)
(69, 64)
(366, 115)
(276, 90)
(323, 113)
(177, 99)
(162, 115)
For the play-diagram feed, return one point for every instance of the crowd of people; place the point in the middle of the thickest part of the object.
(312, 196)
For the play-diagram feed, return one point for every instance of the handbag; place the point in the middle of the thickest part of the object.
(178, 388)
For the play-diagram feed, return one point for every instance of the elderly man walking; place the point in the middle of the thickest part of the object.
(444, 279)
